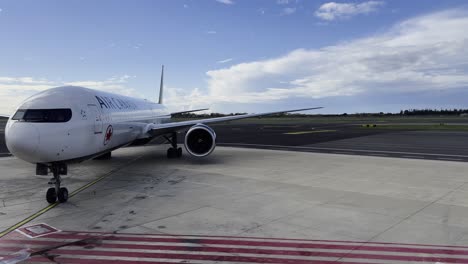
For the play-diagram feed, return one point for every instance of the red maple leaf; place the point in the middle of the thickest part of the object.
(109, 134)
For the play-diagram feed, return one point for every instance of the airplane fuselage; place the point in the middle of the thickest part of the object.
(72, 123)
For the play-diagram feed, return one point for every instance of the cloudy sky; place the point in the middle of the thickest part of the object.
(241, 55)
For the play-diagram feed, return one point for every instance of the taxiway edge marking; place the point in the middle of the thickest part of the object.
(27, 219)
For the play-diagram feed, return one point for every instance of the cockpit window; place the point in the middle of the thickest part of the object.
(43, 115)
(18, 115)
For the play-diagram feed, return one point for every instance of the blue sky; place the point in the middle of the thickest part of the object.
(234, 56)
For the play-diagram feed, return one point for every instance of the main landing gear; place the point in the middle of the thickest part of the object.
(174, 151)
(57, 192)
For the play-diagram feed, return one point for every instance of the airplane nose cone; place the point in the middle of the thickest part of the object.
(22, 140)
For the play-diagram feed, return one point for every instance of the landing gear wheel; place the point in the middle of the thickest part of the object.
(171, 153)
(57, 192)
(179, 152)
(51, 195)
(174, 151)
(63, 195)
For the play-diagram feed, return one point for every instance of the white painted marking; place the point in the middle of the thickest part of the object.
(453, 159)
(343, 153)
(353, 150)
(37, 230)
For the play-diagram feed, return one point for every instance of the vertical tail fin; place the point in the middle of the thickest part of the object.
(161, 86)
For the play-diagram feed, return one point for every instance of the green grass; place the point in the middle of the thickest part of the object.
(346, 119)
(435, 127)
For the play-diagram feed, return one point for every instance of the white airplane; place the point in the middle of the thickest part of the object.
(71, 124)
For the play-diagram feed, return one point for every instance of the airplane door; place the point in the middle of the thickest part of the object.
(96, 115)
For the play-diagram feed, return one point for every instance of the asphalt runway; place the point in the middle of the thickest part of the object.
(337, 138)
(347, 139)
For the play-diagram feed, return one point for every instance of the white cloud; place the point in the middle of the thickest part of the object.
(422, 54)
(211, 32)
(186, 6)
(226, 2)
(13, 90)
(226, 60)
(331, 11)
(427, 53)
(282, 2)
(288, 11)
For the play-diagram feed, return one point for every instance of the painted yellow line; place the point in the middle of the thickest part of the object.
(75, 192)
(309, 132)
(50, 206)
(27, 219)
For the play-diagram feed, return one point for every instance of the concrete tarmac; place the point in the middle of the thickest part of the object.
(347, 204)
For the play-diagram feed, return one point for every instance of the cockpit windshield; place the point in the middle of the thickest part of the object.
(43, 115)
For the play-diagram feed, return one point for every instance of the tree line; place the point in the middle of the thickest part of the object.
(408, 112)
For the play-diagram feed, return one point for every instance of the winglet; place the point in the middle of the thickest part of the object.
(161, 86)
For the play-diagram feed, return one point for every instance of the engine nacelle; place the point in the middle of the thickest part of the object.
(200, 140)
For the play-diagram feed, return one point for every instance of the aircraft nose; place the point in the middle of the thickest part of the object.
(22, 140)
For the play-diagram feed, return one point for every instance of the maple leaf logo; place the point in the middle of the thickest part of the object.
(108, 135)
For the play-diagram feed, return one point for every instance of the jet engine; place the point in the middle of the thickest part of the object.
(200, 140)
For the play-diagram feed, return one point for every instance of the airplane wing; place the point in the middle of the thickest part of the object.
(189, 111)
(161, 129)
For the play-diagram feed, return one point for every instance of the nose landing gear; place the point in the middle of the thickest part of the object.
(57, 192)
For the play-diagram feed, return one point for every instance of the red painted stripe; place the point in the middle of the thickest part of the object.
(90, 261)
(237, 251)
(249, 258)
(31, 242)
(273, 238)
(106, 261)
(12, 249)
(191, 257)
(209, 249)
(263, 238)
(94, 261)
(269, 244)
